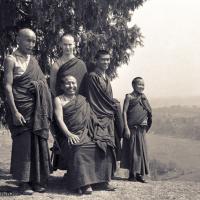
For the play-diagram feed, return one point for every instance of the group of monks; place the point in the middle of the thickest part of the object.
(80, 111)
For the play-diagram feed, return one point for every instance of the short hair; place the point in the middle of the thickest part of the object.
(24, 30)
(134, 81)
(65, 76)
(67, 35)
(101, 52)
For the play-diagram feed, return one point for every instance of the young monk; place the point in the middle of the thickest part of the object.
(78, 135)
(68, 64)
(29, 111)
(137, 121)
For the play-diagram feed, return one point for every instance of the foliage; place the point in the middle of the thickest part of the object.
(96, 24)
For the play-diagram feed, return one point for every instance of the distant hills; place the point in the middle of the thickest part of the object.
(170, 101)
(177, 121)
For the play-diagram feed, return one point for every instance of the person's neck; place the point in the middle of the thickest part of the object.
(137, 94)
(69, 97)
(67, 57)
(102, 72)
(25, 55)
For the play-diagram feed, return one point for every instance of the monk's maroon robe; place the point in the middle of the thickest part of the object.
(30, 155)
(85, 161)
(134, 150)
(103, 105)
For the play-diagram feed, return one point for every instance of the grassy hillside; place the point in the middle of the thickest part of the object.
(177, 157)
(177, 121)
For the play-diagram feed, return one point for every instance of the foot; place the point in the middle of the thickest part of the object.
(107, 187)
(141, 179)
(38, 188)
(87, 189)
(26, 189)
(79, 191)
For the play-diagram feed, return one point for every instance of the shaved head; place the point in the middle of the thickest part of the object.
(68, 77)
(67, 37)
(26, 32)
(26, 40)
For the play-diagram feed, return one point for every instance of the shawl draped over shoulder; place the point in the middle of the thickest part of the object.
(33, 101)
(139, 109)
(103, 105)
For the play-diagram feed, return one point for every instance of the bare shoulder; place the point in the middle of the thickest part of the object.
(9, 61)
(129, 96)
(57, 100)
(56, 64)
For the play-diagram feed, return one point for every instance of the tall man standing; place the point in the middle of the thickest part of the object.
(68, 64)
(29, 110)
(102, 103)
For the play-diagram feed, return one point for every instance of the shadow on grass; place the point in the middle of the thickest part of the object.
(4, 175)
(117, 178)
(58, 185)
(6, 190)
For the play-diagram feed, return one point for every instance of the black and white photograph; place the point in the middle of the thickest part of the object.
(99, 99)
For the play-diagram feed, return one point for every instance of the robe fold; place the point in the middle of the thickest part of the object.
(30, 160)
(103, 105)
(85, 161)
(134, 149)
(74, 67)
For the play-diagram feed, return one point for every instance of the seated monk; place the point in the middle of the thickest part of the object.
(86, 160)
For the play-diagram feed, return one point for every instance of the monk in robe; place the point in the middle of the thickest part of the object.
(29, 111)
(137, 121)
(104, 106)
(87, 161)
(69, 65)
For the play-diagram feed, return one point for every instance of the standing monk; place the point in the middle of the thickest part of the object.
(29, 110)
(68, 64)
(137, 116)
(102, 103)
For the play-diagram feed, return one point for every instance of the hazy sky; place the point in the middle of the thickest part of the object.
(169, 62)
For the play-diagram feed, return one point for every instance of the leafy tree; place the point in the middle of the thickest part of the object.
(96, 24)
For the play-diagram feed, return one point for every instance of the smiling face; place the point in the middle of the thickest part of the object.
(26, 40)
(103, 62)
(138, 85)
(69, 85)
(67, 45)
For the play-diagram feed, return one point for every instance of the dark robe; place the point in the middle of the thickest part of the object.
(74, 67)
(30, 160)
(77, 68)
(134, 150)
(103, 105)
(86, 161)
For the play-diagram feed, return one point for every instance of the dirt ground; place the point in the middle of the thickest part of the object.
(154, 190)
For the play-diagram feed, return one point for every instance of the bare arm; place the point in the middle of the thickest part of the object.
(53, 75)
(125, 109)
(18, 119)
(58, 110)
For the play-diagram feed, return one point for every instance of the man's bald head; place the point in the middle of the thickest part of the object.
(26, 39)
(26, 32)
(67, 37)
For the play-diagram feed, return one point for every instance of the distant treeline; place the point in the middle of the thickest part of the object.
(178, 121)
